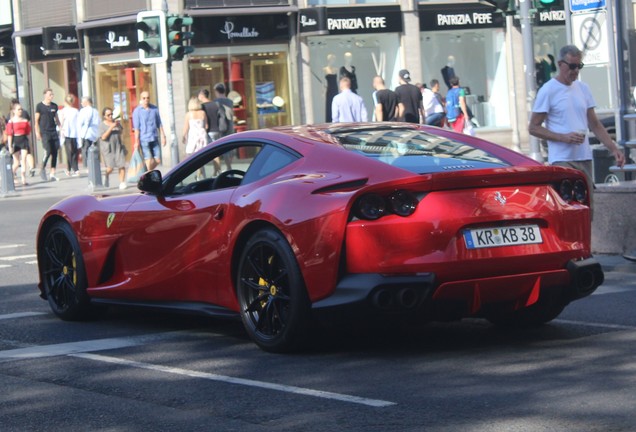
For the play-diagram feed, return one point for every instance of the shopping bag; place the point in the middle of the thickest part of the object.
(136, 167)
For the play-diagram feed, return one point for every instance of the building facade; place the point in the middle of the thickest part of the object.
(280, 59)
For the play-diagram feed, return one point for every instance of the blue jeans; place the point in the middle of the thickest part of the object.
(435, 119)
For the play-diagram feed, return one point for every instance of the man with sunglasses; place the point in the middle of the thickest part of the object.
(563, 114)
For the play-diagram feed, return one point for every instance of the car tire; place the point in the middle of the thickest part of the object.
(63, 273)
(547, 308)
(273, 300)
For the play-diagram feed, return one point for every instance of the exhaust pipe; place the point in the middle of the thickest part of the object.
(407, 298)
(587, 275)
(383, 299)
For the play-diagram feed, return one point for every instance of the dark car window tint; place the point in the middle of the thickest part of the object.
(270, 160)
(417, 151)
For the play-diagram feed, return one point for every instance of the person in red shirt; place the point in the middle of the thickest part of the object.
(18, 130)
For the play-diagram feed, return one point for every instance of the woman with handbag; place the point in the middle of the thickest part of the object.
(18, 130)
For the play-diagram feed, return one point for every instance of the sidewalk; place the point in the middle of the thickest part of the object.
(66, 186)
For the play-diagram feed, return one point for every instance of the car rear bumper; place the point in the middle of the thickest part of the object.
(402, 294)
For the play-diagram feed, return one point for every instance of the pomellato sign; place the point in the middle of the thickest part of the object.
(242, 29)
(59, 40)
(113, 39)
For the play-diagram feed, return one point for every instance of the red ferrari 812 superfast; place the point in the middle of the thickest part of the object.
(383, 220)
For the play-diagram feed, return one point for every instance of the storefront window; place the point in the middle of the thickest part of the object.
(478, 58)
(367, 55)
(118, 86)
(58, 75)
(547, 43)
(257, 82)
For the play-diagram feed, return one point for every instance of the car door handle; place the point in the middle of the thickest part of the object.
(219, 213)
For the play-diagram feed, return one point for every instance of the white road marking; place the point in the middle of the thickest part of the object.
(88, 345)
(5, 266)
(11, 246)
(17, 257)
(592, 324)
(21, 315)
(240, 381)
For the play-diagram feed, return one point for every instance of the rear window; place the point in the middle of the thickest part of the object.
(416, 151)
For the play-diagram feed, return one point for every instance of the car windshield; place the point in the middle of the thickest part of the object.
(416, 150)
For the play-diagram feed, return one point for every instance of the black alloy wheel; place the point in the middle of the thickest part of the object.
(63, 274)
(271, 292)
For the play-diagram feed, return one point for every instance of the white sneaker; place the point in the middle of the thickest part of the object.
(122, 186)
(53, 178)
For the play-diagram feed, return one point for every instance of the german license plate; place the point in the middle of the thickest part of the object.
(502, 236)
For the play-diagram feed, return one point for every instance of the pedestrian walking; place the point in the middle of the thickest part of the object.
(386, 101)
(111, 147)
(68, 118)
(563, 113)
(25, 115)
(411, 108)
(347, 106)
(211, 110)
(456, 109)
(148, 128)
(88, 128)
(46, 124)
(226, 103)
(195, 135)
(18, 131)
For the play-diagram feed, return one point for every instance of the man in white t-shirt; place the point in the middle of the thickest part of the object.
(564, 112)
(433, 108)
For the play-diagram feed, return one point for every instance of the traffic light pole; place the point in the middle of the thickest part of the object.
(528, 64)
(174, 143)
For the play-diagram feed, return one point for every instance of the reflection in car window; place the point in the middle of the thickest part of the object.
(218, 170)
(416, 150)
(270, 159)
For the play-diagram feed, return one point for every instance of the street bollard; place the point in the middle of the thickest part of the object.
(6, 173)
(94, 169)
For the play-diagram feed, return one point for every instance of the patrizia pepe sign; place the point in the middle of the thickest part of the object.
(380, 19)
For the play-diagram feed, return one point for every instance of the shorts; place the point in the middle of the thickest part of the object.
(150, 150)
(20, 142)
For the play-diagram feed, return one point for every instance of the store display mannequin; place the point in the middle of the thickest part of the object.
(349, 71)
(544, 65)
(331, 79)
(448, 71)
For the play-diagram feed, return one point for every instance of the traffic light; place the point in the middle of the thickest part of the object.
(548, 5)
(506, 6)
(151, 37)
(178, 34)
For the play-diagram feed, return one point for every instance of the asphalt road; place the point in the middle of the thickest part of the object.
(139, 370)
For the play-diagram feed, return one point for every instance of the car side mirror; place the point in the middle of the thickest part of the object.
(150, 182)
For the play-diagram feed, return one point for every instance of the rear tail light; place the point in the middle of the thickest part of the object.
(370, 207)
(574, 191)
(403, 203)
(373, 206)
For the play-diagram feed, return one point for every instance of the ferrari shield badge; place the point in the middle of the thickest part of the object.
(500, 198)
(109, 221)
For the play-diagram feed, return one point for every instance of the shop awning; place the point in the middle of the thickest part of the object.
(241, 11)
(107, 22)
